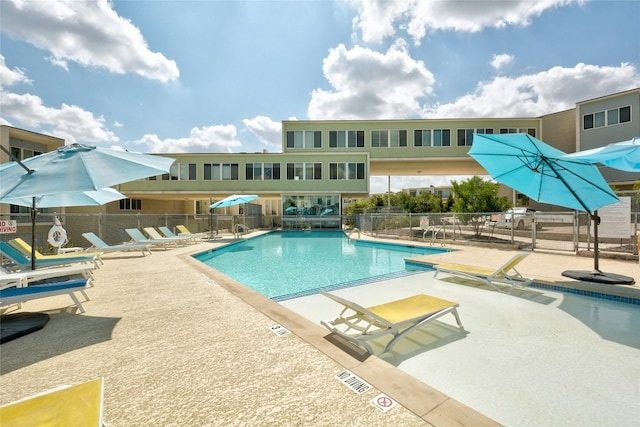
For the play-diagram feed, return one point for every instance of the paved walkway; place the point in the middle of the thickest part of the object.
(179, 344)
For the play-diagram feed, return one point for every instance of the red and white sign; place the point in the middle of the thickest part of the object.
(8, 226)
(383, 402)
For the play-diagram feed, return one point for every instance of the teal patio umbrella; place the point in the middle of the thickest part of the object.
(72, 198)
(235, 199)
(73, 169)
(623, 155)
(542, 172)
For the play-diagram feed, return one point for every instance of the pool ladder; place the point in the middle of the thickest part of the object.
(353, 230)
(434, 234)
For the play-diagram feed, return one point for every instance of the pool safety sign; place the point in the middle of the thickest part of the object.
(279, 330)
(383, 402)
(352, 381)
(8, 226)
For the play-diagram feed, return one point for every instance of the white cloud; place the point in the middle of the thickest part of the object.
(380, 19)
(89, 33)
(267, 131)
(11, 77)
(371, 85)
(556, 89)
(208, 139)
(501, 60)
(69, 122)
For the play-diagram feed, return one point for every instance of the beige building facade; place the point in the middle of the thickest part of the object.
(325, 163)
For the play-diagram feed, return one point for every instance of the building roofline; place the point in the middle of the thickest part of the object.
(611, 95)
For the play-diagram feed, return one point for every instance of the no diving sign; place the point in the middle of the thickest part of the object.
(8, 226)
(383, 402)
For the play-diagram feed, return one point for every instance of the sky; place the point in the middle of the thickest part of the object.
(211, 76)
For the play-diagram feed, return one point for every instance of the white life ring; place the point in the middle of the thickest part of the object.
(57, 236)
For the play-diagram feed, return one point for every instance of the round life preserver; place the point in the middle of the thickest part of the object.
(57, 235)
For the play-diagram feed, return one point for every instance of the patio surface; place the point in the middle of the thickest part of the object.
(180, 344)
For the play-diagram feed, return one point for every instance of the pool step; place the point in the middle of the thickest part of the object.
(349, 284)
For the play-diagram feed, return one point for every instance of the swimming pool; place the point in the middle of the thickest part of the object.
(322, 260)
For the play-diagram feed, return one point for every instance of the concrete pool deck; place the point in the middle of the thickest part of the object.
(180, 344)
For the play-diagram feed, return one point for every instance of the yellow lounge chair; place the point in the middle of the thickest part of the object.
(503, 275)
(182, 230)
(359, 325)
(79, 405)
(25, 248)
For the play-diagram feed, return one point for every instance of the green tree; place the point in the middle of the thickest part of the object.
(475, 196)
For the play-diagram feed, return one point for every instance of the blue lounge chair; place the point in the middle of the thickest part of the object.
(101, 245)
(24, 263)
(19, 295)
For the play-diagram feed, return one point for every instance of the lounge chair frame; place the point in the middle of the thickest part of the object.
(24, 278)
(505, 275)
(154, 234)
(24, 263)
(22, 294)
(359, 325)
(101, 245)
(25, 248)
(137, 237)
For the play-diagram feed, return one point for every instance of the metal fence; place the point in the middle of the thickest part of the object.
(111, 227)
(561, 231)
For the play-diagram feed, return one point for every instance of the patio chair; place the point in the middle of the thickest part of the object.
(154, 234)
(168, 233)
(505, 275)
(24, 263)
(25, 278)
(78, 405)
(25, 248)
(19, 295)
(101, 245)
(137, 237)
(359, 325)
(184, 231)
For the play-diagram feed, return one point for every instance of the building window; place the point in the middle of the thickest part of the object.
(220, 172)
(350, 171)
(388, 138)
(529, 131)
(304, 139)
(130, 204)
(304, 171)
(465, 136)
(262, 171)
(23, 153)
(606, 118)
(442, 138)
(316, 205)
(346, 139)
(432, 138)
(422, 138)
(181, 172)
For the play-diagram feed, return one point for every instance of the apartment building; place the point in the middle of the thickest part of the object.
(325, 163)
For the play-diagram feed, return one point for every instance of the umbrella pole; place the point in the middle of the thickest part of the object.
(34, 213)
(596, 220)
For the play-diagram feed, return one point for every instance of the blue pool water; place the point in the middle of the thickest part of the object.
(289, 264)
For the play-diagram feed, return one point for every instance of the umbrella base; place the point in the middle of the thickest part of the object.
(599, 277)
(20, 324)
